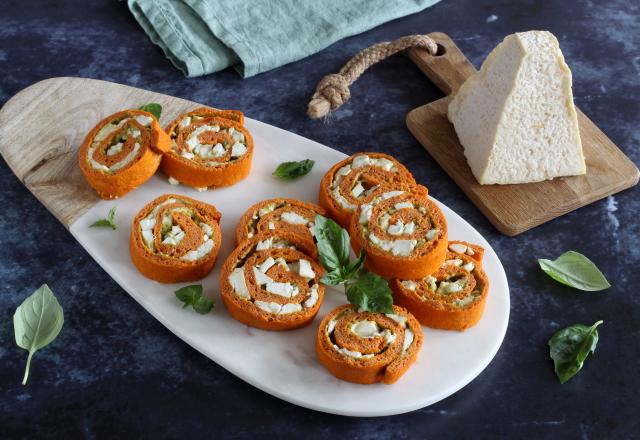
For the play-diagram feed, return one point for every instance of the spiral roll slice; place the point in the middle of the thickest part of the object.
(351, 182)
(452, 298)
(208, 149)
(366, 347)
(175, 238)
(122, 152)
(403, 233)
(272, 282)
(277, 214)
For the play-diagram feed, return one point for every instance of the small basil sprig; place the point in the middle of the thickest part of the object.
(575, 270)
(154, 108)
(293, 170)
(570, 347)
(367, 291)
(109, 222)
(37, 322)
(192, 296)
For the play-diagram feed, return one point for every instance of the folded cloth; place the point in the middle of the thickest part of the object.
(253, 36)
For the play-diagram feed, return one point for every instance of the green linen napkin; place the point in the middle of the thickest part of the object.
(205, 36)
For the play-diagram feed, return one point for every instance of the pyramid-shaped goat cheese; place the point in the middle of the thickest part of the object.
(515, 118)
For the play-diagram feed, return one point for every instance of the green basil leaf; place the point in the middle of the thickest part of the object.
(108, 222)
(575, 270)
(203, 306)
(192, 296)
(570, 347)
(189, 294)
(154, 108)
(333, 278)
(353, 268)
(293, 170)
(37, 322)
(332, 243)
(371, 293)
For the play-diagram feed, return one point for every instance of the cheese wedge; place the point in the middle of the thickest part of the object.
(515, 118)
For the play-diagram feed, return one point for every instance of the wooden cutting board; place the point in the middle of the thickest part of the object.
(512, 209)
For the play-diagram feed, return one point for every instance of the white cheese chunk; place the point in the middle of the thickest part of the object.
(458, 248)
(200, 252)
(238, 284)
(267, 264)
(305, 270)
(282, 289)
(238, 149)
(261, 278)
(144, 120)
(365, 329)
(360, 160)
(408, 339)
(404, 205)
(293, 218)
(313, 297)
(357, 190)
(515, 117)
(408, 284)
(403, 247)
(147, 224)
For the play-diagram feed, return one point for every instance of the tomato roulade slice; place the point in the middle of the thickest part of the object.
(209, 148)
(175, 239)
(122, 152)
(366, 347)
(272, 281)
(278, 214)
(350, 182)
(452, 298)
(403, 233)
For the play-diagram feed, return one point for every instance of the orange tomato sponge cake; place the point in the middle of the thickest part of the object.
(403, 233)
(175, 239)
(453, 297)
(271, 281)
(209, 148)
(122, 152)
(351, 182)
(277, 214)
(366, 347)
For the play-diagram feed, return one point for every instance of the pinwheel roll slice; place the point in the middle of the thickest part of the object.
(403, 233)
(350, 182)
(366, 347)
(122, 152)
(276, 214)
(175, 239)
(452, 298)
(208, 150)
(271, 281)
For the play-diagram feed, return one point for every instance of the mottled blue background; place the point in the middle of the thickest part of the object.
(115, 372)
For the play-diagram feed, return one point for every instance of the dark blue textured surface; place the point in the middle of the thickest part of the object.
(115, 372)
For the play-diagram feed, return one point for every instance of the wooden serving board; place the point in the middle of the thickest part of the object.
(41, 129)
(512, 209)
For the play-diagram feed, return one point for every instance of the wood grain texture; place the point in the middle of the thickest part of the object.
(512, 209)
(42, 127)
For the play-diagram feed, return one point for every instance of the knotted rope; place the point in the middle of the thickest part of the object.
(333, 90)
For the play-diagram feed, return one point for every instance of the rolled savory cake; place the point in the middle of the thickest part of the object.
(403, 233)
(272, 282)
(452, 298)
(122, 152)
(175, 239)
(276, 214)
(209, 148)
(366, 347)
(351, 182)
